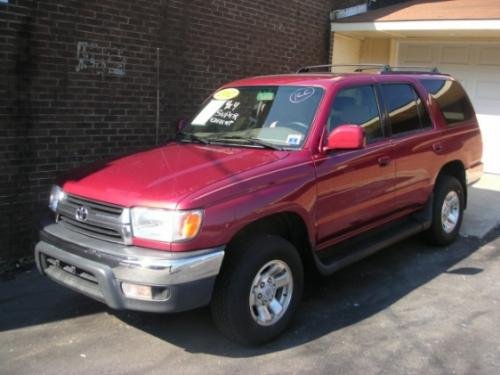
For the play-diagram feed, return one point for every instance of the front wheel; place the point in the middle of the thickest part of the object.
(258, 290)
(447, 211)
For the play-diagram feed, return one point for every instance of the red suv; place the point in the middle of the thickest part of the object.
(274, 176)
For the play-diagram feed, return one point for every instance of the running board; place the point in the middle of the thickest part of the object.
(339, 256)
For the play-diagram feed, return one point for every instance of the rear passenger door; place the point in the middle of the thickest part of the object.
(354, 186)
(411, 133)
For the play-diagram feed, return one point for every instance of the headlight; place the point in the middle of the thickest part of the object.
(165, 225)
(56, 195)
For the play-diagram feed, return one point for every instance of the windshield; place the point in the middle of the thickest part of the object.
(276, 117)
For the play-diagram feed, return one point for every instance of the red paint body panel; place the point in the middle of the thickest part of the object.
(353, 190)
(164, 176)
(337, 194)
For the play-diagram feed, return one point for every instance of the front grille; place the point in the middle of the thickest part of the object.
(104, 207)
(102, 220)
(90, 228)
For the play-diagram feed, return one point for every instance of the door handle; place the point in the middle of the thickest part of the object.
(437, 147)
(384, 161)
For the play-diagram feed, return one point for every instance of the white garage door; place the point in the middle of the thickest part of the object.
(477, 66)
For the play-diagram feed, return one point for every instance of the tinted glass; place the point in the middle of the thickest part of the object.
(357, 105)
(425, 119)
(402, 107)
(451, 98)
(278, 115)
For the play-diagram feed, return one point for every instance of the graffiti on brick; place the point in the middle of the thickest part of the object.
(100, 60)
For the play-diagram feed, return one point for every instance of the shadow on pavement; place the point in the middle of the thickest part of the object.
(31, 299)
(346, 298)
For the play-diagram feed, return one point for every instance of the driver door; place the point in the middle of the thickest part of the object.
(355, 187)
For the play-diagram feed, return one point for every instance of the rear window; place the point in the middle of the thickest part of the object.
(451, 98)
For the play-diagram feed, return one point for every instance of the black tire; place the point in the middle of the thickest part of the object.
(436, 234)
(230, 304)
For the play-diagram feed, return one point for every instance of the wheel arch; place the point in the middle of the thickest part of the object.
(288, 225)
(455, 169)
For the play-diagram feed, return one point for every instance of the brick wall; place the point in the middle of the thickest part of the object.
(78, 80)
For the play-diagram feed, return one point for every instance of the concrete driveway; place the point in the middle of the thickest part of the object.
(410, 309)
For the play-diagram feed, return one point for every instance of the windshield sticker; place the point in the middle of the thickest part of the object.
(293, 139)
(226, 115)
(301, 95)
(231, 105)
(207, 112)
(265, 96)
(226, 94)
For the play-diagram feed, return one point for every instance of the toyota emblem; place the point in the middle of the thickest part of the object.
(82, 213)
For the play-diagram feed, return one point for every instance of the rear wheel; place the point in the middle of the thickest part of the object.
(258, 290)
(447, 211)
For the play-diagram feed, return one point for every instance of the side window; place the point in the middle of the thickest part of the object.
(357, 105)
(451, 98)
(404, 108)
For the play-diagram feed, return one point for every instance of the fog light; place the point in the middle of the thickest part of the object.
(137, 291)
(145, 292)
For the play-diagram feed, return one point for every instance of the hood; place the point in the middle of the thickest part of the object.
(163, 176)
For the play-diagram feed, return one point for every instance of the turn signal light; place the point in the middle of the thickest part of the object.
(191, 225)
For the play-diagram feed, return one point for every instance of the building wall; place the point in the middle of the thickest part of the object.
(349, 49)
(376, 51)
(78, 80)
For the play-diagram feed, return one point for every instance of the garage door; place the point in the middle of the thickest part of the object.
(477, 66)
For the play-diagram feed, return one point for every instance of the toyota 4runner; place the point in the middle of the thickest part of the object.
(273, 176)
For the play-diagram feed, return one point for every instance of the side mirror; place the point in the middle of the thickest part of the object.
(346, 137)
(181, 124)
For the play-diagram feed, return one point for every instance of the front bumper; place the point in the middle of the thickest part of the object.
(98, 268)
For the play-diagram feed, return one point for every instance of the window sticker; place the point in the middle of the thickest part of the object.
(301, 95)
(227, 114)
(226, 94)
(293, 139)
(207, 112)
(265, 96)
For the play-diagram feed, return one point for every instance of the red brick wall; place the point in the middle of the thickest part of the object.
(78, 80)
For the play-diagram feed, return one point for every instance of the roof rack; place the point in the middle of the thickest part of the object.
(359, 67)
(412, 69)
(383, 68)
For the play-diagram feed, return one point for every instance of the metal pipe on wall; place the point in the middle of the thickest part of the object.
(157, 95)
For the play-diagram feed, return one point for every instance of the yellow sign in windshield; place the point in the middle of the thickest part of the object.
(226, 94)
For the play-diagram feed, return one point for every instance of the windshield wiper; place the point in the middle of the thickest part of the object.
(191, 137)
(251, 140)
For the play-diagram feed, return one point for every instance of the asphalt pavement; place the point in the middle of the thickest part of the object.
(409, 309)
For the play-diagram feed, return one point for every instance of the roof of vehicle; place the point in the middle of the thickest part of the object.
(326, 79)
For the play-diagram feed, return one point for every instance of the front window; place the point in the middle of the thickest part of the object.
(358, 106)
(276, 117)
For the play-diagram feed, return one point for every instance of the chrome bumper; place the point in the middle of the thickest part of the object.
(474, 174)
(97, 268)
